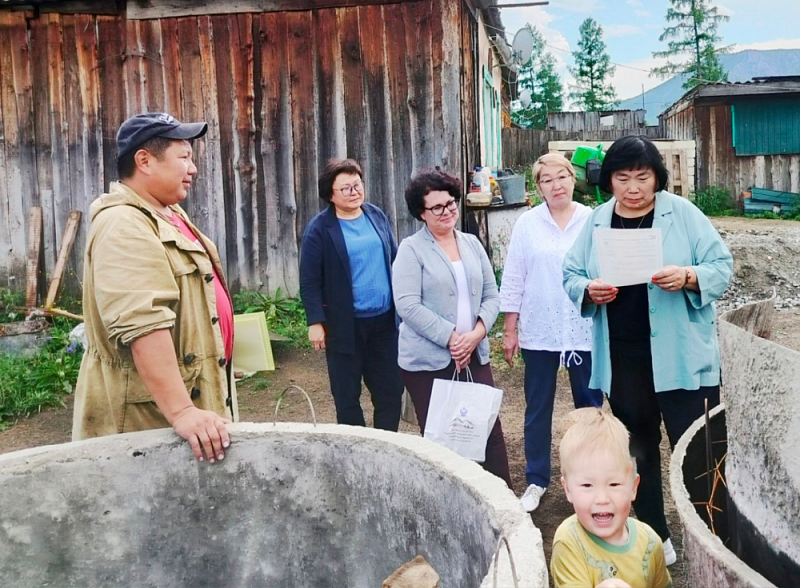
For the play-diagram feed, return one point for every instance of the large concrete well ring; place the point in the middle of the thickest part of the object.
(290, 505)
(761, 415)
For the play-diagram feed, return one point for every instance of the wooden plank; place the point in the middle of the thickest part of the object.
(86, 38)
(43, 124)
(417, 18)
(231, 204)
(76, 128)
(134, 70)
(34, 256)
(244, 142)
(304, 126)
(450, 157)
(207, 203)
(196, 67)
(11, 192)
(402, 158)
(153, 66)
(70, 232)
(469, 101)
(354, 102)
(23, 91)
(435, 44)
(686, 180)
(145, 9)
(55, 218)
(111, 46)
(280, 265)
(171, 63)
(80, 7)
(331, 138)
(380, 175)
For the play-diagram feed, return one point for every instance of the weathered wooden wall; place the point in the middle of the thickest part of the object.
(386, 84)
(591, 121)
(522, 147)
(717, 163)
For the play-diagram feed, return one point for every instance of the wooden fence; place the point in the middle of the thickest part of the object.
(522, 147)
(281, 91)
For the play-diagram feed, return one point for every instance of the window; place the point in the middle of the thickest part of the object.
(492, 122)
(766, 126)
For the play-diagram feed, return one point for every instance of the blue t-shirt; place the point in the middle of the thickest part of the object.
(372, 292)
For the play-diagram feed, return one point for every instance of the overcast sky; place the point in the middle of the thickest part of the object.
(632, 27)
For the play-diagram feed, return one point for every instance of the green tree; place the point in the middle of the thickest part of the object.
(592, 90)
(540, 78)
(692, 32)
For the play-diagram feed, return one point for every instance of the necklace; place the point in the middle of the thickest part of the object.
(622, 222)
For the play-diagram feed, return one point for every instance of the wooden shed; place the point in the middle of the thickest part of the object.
(607, 120)
(283, 84)
(747, 134)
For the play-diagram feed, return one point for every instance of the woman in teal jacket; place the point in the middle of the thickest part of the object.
(654, 345)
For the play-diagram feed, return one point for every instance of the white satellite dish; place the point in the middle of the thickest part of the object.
(525, 98)
(522, 47)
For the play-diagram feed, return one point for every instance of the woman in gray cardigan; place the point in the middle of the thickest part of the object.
(446, 295)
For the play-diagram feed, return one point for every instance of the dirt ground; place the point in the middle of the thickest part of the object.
(765, 252)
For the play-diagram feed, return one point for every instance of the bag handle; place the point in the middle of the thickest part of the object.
(280, 398)
(496, 557)
(457, 375)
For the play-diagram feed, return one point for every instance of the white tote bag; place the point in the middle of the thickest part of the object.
(461, 415)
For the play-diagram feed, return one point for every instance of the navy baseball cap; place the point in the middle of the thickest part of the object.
(143, 127)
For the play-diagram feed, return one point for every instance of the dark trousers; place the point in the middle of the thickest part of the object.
(375, 360)
(635, 402)
(420, 386)
(541, 369)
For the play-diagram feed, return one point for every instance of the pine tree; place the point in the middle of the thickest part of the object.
(592, 90)
(692, 32)
(540, 78)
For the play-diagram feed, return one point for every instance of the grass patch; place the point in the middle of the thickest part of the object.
(27, 385)
(713, 200)
(285, 315)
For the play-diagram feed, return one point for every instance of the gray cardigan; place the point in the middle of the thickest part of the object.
(426, 298)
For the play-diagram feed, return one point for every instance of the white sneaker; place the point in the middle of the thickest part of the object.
(530, 500)
(669, 553)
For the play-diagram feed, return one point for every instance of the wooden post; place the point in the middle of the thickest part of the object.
(70, 231)
(34, 255)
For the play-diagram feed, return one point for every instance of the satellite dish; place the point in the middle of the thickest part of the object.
(522, 47)
(525, 98)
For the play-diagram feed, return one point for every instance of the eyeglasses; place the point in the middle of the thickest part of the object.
(348, 190)
(562, 179)
(438, 210)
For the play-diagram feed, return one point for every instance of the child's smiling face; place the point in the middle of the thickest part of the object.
(601, 490)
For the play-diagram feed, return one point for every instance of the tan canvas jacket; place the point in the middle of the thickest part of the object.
(141, 275)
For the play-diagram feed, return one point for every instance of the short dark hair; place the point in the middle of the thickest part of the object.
(157, 146)
(330, 172)
(632, 152)
(425, 182)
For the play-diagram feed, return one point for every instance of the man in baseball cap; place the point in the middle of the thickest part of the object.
(159, 318)
(139, 129)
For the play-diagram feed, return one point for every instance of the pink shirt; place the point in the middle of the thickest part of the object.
(224, 306)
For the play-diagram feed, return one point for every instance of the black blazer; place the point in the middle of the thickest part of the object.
(326, 285)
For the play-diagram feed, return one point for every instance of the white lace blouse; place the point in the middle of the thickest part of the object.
(532, 283)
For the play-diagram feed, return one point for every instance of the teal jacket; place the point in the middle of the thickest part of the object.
(683, 330)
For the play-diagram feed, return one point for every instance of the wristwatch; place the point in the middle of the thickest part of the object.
(688, 276)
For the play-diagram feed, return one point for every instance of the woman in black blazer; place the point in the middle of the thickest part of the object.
(345, 285)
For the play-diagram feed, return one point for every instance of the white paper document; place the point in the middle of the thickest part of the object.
(628, 257)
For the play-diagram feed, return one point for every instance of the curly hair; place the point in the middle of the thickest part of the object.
(425, 182)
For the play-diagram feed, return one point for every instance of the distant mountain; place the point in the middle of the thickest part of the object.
(741, 67)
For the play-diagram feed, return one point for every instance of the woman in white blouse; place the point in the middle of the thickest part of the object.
(540, 320)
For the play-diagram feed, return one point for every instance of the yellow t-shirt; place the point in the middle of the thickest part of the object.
(582, 560)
